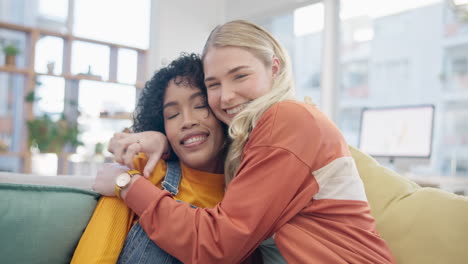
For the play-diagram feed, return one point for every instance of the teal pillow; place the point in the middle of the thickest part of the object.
(42, 224)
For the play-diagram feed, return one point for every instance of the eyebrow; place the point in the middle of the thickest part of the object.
(229, 72)
(174, 103)
(196, 95)
(166, 105)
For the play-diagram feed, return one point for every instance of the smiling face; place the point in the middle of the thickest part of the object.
(234, 77)
(195, 135)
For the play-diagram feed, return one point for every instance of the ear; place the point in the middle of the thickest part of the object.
(275, 67)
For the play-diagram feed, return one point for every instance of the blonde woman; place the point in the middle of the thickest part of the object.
(289, 171)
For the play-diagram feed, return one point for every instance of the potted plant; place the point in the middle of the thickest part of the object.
(50, 136)
(50, 67)
(3, 146)
(47, 137)
(10, 52)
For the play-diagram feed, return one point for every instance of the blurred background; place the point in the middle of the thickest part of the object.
(393, 75)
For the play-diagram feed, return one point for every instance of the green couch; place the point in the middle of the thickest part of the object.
(42, 224)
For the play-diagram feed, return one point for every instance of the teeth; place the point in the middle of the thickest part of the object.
(236, 109)
(194, 139)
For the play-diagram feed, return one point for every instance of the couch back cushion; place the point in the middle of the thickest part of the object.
(42, 224)
(420, 225)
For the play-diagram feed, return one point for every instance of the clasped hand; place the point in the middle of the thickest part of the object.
(125, 146)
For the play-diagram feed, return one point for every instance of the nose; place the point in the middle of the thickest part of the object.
(189, 120)
(227, 95)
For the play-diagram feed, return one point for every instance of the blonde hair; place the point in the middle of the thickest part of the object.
(261, 44)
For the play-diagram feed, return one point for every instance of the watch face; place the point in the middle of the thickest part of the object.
(122, 180)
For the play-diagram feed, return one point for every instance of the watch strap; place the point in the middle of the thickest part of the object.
(117, 188)
(133, 172)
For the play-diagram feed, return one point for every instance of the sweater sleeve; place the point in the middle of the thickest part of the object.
(139, 161)
(272, 185)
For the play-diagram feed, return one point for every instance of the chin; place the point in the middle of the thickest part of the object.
(196, 161)
(226, 120)
(223, 118)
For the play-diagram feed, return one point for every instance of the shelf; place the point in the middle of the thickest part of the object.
(45, 32)
(35, 33)
(71, 81)
(67, 76)
(50, 74)
(80, 77)
(12, 154)
(12, 69)
(121, 116)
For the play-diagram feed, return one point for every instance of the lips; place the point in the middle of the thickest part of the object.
(194, 139)
(236, 109)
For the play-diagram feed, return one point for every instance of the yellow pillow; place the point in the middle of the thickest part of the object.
(420, 225)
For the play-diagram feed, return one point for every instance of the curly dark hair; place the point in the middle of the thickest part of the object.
(149, 111)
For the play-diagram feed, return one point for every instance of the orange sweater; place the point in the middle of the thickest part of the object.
(297, 181)
(107, 229)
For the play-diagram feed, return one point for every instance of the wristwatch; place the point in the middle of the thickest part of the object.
(123, 180)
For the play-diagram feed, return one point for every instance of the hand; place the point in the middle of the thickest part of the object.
(125, 146)
(105, 178)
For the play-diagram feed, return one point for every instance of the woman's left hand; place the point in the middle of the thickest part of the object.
(105, 178)
(125, 146)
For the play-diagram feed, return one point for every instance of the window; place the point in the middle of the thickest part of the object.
(18, 40)
(300, 32)
(456, 69)
(122, 22)
(128, 65)
(389, 58)
(54, 10)
(77, 68)
(49, 55)
(90, 59)
(105, 109)
(387, 48)
(50, 96)
(11, 114)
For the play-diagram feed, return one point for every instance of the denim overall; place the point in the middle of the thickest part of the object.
(139, 248)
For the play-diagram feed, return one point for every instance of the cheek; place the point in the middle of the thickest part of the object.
(219, 135)
(171, 133)
(213, 99)
(262, 86)
(253, 88)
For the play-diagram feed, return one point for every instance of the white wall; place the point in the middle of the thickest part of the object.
(259, 9)
(181, 25)
(184, 25)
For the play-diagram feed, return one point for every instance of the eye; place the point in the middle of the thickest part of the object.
(202, 106)
(240, 76)
(212, 85)
(172, 116)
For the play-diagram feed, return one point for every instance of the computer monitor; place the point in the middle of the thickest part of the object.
(397, 132)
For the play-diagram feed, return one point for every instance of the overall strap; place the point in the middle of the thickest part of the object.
(172, 178)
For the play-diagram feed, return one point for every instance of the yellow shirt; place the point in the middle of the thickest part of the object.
(111, 221)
